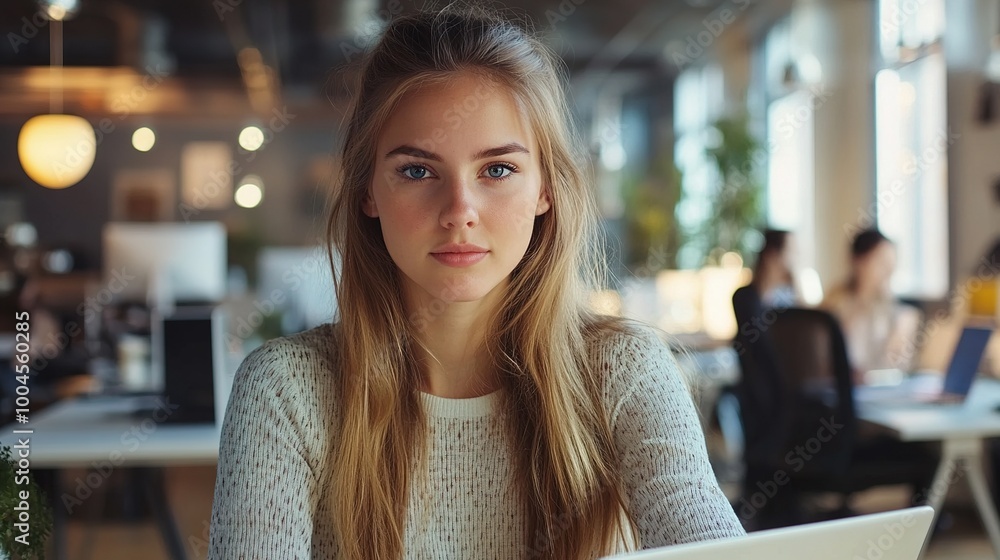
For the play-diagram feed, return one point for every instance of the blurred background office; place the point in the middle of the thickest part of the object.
(164, 167)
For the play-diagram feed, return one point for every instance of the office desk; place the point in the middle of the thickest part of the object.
(100, 433)
(961, 429)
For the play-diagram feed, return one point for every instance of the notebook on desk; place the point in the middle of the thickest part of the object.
(892, 535)
(951, 388)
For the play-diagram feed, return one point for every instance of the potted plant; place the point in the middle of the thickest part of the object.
(735, 207)
(14, 487)
(652, 231)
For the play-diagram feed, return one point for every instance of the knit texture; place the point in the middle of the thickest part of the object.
(270, 502)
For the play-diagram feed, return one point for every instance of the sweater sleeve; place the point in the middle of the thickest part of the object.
(669, 484)
(265, 489)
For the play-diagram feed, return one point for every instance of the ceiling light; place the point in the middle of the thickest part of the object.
(248, 195)
(59, 10)
(56, 150)
(143, 139)
(250, 192)
(251, 138)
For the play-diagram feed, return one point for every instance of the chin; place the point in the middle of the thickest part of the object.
(462, 290)
(455, 288)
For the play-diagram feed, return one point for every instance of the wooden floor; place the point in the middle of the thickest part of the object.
(189, 491)
(190, 494)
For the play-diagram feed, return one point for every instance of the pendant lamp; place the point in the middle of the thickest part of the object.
(56, 150)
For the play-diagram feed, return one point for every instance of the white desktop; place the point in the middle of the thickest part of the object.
(177, 271)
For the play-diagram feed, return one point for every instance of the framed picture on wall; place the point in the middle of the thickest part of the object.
(143, 195)
(206, 176)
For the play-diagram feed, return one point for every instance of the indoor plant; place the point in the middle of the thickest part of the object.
(40, 521)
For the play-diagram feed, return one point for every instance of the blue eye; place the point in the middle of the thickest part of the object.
(499, 171)
(414, 172)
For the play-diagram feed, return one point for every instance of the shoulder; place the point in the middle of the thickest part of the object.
(746, 300)
(624, 340)
(628, 355)
(287, 385)
(745, 293)
(303, 360)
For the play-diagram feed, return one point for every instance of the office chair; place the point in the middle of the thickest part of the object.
(802, 431)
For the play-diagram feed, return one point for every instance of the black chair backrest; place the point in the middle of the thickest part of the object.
(817, 392)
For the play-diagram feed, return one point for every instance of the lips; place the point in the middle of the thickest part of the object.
(459, 248)
(459, 254)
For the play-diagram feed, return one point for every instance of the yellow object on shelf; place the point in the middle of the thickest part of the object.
(983, 296)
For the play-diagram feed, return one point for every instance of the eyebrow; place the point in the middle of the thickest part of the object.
(512, 147)
(509, 148)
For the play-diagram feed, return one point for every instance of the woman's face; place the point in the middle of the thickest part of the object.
(789, 255)
(875, 268)
(456, 164)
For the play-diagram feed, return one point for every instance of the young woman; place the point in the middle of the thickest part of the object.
(878, 329)
(467, 403)
(755, 307)
(772, 284)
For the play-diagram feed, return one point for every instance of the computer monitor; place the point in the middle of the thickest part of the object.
(172, 262)
(298, 281)
(189, 363)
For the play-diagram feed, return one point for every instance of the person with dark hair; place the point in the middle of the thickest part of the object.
(773, 271)
(878, 329)
(770, 289)
(991, 259)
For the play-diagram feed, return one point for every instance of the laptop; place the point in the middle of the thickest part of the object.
(891, 535)
(921, 389)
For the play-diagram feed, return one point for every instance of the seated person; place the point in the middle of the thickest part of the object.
(772, 284)
(771, 287)
(760, 383)
(467, 403)
(877, 328)
(766, 413)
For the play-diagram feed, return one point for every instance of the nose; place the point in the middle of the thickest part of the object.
(458, 206)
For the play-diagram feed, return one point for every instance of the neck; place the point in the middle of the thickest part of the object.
(451, 350)
(770, 280)
(868, 292)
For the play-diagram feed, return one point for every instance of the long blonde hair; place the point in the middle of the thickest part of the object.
(567, 467)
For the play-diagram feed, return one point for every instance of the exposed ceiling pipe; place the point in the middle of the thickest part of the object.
(260, 79)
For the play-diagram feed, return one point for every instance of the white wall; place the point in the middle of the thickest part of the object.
(974, 159)
(844, 159)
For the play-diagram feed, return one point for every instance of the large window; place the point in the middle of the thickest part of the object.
(788, 76)
(698, 103)
(790, 171)
(911, 142)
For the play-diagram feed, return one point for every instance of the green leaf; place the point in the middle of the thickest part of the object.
(40, 514)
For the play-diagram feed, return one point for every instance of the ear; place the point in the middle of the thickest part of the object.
(544, 202)
(368, 206)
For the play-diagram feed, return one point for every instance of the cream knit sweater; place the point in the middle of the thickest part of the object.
(269, 502)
